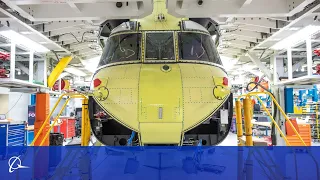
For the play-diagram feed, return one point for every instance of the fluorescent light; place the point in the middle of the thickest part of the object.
(26, 32)
(257, 73)
(23, 41)
(214, 37)
(293, 28)
(228, 63)
(91, 64)
(296, 37)
(64, 74)
(247, 67)
(75, 71)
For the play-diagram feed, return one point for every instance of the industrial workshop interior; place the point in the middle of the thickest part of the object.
(159, 73)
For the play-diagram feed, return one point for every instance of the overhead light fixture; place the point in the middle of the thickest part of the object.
(64, 74)
(247, 67)
(26, 32)
(43, 42)
(228, 63)
(91, 64)
(296, 37)
(23, 41)
(75, 71)
(293, 28)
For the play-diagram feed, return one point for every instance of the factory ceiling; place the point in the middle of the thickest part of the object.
(248, 27)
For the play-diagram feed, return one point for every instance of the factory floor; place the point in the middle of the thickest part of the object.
(231, 140)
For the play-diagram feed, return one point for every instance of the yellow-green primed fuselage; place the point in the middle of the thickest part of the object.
(158, 80)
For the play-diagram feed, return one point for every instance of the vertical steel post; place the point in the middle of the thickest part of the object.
(31, 58)
(85, 126)
(309, 56)
(275, 70)
(13, 60)
(239, 121)
(247, 120)
(289, 64)
(45, 76)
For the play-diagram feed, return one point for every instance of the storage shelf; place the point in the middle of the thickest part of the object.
(314, 79)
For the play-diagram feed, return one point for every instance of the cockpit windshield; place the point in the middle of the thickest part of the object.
(159, 46)
(197, 46)
(123, 47)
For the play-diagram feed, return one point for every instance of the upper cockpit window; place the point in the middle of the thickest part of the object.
(160, 46)
(123, 47)
(197, 46)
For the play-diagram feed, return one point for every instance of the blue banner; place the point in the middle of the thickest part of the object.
(74, 162)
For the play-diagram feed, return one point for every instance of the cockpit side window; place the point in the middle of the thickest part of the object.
(123, 47)
(159, 46)
(197, 46)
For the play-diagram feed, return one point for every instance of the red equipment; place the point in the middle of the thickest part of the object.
(318, 69)
(67, 127)
(3, 73)
(101, 115)
(56, 85)
(317, 52)
(4, 56)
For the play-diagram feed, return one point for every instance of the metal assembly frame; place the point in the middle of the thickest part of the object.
(248, 116)
(85, 133)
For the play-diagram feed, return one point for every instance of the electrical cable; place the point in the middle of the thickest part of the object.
(82, 37)
(72, 35)
(55, 55)
(273, 130)
(14, 104)
(273, 126)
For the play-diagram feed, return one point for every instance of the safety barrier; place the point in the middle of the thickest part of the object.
(85, 123)
(248, 116)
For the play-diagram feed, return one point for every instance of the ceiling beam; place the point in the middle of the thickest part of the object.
(74, 41)
(74, 7)
(69, 30)
(87, 11)
(58, 25)
(260, 22)
(256, 29)
(239, 42)
(78, 36)
(234, 8)
(21, 11)
(260, 65)
(249, 34)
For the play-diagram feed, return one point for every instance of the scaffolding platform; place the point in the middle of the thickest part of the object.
(16, 83)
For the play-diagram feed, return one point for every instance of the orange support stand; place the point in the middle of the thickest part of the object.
(41, 159)
(42, 111)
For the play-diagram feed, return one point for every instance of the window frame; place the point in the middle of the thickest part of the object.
(159, 61)
(126, 62)
(197, 61)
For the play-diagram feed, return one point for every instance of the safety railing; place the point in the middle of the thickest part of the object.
(85, 131)
(248, 117)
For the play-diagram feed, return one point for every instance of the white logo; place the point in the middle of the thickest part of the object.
(15, 163)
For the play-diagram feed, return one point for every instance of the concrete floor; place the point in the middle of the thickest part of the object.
(231, 140)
